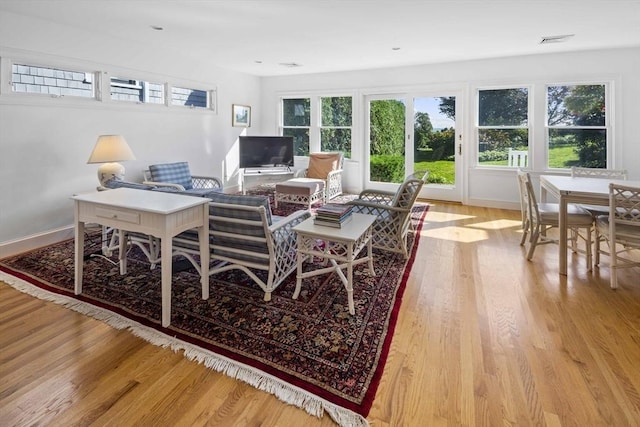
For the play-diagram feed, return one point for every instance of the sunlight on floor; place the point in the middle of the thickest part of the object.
(497, 224)
(457, 234)
(445, 217)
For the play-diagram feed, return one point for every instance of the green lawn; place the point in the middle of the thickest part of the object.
(443, 171)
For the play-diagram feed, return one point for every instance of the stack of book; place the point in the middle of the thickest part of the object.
(333, 215)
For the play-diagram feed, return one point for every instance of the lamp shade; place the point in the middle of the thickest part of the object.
(108, 150)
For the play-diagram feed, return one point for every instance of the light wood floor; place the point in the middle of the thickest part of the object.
(484, 338)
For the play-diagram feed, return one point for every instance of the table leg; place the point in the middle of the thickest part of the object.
(79, 253)
(122, 250)
(203, 234)
(352, 309)
(370, 256)
(562, 223)
(166, 253)
(300, 258)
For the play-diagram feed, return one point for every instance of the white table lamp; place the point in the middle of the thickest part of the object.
(108, 150)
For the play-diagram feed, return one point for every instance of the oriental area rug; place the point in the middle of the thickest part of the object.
(307, 352)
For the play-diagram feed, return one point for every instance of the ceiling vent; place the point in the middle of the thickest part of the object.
(555, 39)
(290, 64)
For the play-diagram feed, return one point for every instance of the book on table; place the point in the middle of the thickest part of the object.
(334, 209)
(332, 223)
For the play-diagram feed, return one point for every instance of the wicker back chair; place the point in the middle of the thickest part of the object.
(393, 212)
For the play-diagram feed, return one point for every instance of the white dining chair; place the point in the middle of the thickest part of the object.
(543, 216)
(620, 229)
(601, 173)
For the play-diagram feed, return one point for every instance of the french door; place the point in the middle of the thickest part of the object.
(411, 132)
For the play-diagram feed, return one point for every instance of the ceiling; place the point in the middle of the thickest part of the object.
(259, 36)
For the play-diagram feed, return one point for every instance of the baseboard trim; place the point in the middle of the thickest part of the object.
(25, 244)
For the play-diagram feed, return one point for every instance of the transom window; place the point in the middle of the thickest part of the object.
(189, 97)
(577, 126)
(136, 91)
(51, 81)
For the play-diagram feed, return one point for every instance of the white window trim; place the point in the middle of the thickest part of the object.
(608, 126)
(315, 101)
(530, 125)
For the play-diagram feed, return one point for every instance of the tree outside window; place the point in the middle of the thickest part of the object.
(296, 122)
(335, 124)
(503, 124)
(577, 126)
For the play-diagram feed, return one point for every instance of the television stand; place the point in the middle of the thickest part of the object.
(253, 177)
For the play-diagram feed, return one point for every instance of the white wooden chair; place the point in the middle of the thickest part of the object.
(518, 158)
(620, 229)
(543, 216)
(601, 173)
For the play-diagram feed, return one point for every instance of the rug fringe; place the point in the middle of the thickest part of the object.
(284, 391)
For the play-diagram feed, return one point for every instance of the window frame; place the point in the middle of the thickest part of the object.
(608, 126)
(315, 127)
(529, 127)
(321, 126)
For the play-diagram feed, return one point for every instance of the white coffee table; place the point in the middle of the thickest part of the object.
(341, 247)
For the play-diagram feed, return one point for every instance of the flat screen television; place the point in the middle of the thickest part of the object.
(266, 151)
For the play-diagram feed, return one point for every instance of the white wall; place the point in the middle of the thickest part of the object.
(45, 142)
(485, 187)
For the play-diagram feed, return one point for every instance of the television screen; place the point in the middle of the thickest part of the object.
(266, 151)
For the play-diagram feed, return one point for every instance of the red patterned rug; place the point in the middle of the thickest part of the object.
(308, 352)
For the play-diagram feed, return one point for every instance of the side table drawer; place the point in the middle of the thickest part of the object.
(125, 216)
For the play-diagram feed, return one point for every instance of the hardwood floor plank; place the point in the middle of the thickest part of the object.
(484, 337)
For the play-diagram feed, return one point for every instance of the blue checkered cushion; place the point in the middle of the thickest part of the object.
(118, 183)
(175, 173)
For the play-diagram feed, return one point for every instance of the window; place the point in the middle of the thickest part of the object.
(503, 124)
(189, 97)
(577, 126)
(51, 81)
(335, 124)
(136, 91)
(296, 122)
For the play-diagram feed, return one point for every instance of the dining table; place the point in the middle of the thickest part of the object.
(567, 189)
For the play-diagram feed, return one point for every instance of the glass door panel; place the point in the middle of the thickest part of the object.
(387, 120)
(409, 133)
(434, 138)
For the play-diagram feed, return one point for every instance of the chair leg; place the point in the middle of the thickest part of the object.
(596, 244)
(535, 235)
(613, 266)
(525, 231)
(588, 250)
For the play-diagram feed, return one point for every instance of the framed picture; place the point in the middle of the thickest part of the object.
(241, 115)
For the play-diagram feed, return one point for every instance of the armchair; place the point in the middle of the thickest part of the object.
(393, 212)
(243, 235)
(177, 177)
(321, 181)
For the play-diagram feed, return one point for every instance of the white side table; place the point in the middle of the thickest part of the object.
(341, 247)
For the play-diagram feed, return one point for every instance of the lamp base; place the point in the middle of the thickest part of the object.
(109, 171)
